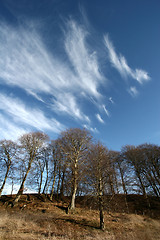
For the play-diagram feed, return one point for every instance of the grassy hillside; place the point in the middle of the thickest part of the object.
(36, 217)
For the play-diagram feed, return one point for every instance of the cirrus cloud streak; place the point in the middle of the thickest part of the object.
(27, 116)
(121, 65)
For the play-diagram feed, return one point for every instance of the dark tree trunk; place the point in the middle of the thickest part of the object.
(100, 200)
(6, 175)
(62, 185)
(40, 184)
(21, 189)
(52, 190)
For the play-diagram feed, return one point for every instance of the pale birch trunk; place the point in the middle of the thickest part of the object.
(73, 196)
(75, 174)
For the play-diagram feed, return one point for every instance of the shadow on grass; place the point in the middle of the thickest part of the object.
(6, 200)
(83, 222)
(65, 209)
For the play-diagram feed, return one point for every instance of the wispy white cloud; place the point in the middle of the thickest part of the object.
(99, 118)
(66, 103)
(35, 95)
(83, 60)
(9, 130)
(133, 91)
(120, 63)
(111, 100)
(94, 130)
(106, 111)
(27, 63)
(31, 117)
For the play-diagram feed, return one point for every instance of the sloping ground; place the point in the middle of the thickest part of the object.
(136, 204)
(36, 217)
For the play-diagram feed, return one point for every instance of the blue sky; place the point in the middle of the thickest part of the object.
(92, 64)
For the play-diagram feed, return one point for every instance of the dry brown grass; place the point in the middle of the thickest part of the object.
(47, 220)
(83, 224)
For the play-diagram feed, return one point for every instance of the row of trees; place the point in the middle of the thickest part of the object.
(74, 164)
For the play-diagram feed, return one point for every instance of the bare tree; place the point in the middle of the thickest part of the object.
(133, 157)
(7, 152)
(97, 173)
(74, 145)
(145, 160)
(150, 159)
(122, 167)
(62, 172)
(31, 143)
(55, 159)
(111, 173)
(40, 163)
(47, 162)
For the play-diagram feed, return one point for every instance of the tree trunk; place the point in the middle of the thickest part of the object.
(12, 187)
(46, 182)
(6, 175)
(111, 184)
(143, 190)
(100, 200)
(21, 189)
(62, 185)
(40, 184)
(116, 184)
(123, 183)
(156, 177)
(58, 185)
(45, 185)
(142, 185)
(52, 191)
(152, 182)
(75, 174)
(73, 197)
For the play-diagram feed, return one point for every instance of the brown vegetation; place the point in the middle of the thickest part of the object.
(94, 177)
(36, 217)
